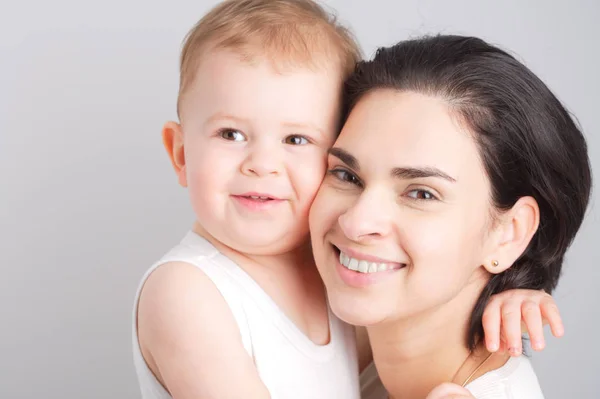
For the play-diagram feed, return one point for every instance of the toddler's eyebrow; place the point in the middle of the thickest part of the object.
(290, 125)
(223, 116)
(304, 126)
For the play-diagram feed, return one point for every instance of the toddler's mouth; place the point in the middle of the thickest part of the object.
(257, 202)
(257, 197)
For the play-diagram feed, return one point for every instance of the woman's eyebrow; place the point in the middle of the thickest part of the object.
(345, 157)
(420, 172)
(398, 172)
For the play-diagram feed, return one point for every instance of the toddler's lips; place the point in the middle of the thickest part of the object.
(259, 196)
(257, 202)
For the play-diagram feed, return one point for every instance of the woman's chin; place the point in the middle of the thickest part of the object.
(356, 312)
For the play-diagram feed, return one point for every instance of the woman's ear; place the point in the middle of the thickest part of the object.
(172, 135)
(512, 234)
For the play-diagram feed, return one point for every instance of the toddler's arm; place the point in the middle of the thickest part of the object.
(190, 339)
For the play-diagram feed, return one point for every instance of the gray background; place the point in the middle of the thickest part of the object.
(88, 198)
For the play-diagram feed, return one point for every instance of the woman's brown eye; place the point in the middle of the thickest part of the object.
(344, 176)
(421, 195)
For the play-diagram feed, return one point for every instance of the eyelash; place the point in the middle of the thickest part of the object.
(420, 190)
(337, 173)
(306, 140)
(345, 176)
(221, 133)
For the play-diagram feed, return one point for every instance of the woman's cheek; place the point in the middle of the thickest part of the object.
(425, 233)
(433, 246)
(327, 208)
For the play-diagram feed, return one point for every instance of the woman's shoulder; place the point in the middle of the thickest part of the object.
(515, 380)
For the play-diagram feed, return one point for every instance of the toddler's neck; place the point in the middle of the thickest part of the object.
(290, 279)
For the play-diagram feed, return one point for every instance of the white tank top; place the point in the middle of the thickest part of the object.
(289, 364)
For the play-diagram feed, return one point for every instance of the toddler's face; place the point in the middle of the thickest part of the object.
(255, 142)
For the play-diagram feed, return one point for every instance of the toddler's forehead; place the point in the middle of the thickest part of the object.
(278, 64)
(233, 80)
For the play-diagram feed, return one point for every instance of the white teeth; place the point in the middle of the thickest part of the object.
(353, 265)
(362, 266)
(343, 259)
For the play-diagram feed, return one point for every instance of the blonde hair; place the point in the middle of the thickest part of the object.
(298, 32)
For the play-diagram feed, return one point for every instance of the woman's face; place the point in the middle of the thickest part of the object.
(400, 224)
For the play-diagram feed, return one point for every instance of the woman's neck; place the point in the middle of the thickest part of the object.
(412, 362)
(415, 354)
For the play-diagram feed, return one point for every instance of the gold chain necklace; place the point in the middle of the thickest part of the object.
(470, 375)
(474, 371)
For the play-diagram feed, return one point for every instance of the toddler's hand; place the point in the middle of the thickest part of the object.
(511, 313)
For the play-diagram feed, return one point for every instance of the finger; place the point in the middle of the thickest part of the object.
(491, 321)
(503, 346)
(532, 316)
(448, 390)
(550, 312)
(511, 326)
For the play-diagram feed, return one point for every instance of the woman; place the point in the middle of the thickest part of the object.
(457, 175)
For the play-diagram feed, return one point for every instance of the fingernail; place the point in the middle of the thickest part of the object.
(538, 345)
(493, 347)
(514, 351)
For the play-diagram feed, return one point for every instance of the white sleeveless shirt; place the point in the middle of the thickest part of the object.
(289, 364)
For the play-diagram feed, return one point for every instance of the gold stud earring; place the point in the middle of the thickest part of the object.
(495, 263)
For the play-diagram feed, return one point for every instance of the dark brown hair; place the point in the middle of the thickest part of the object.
(529, 144)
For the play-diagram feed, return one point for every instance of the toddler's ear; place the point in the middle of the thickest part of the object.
(173, 141)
